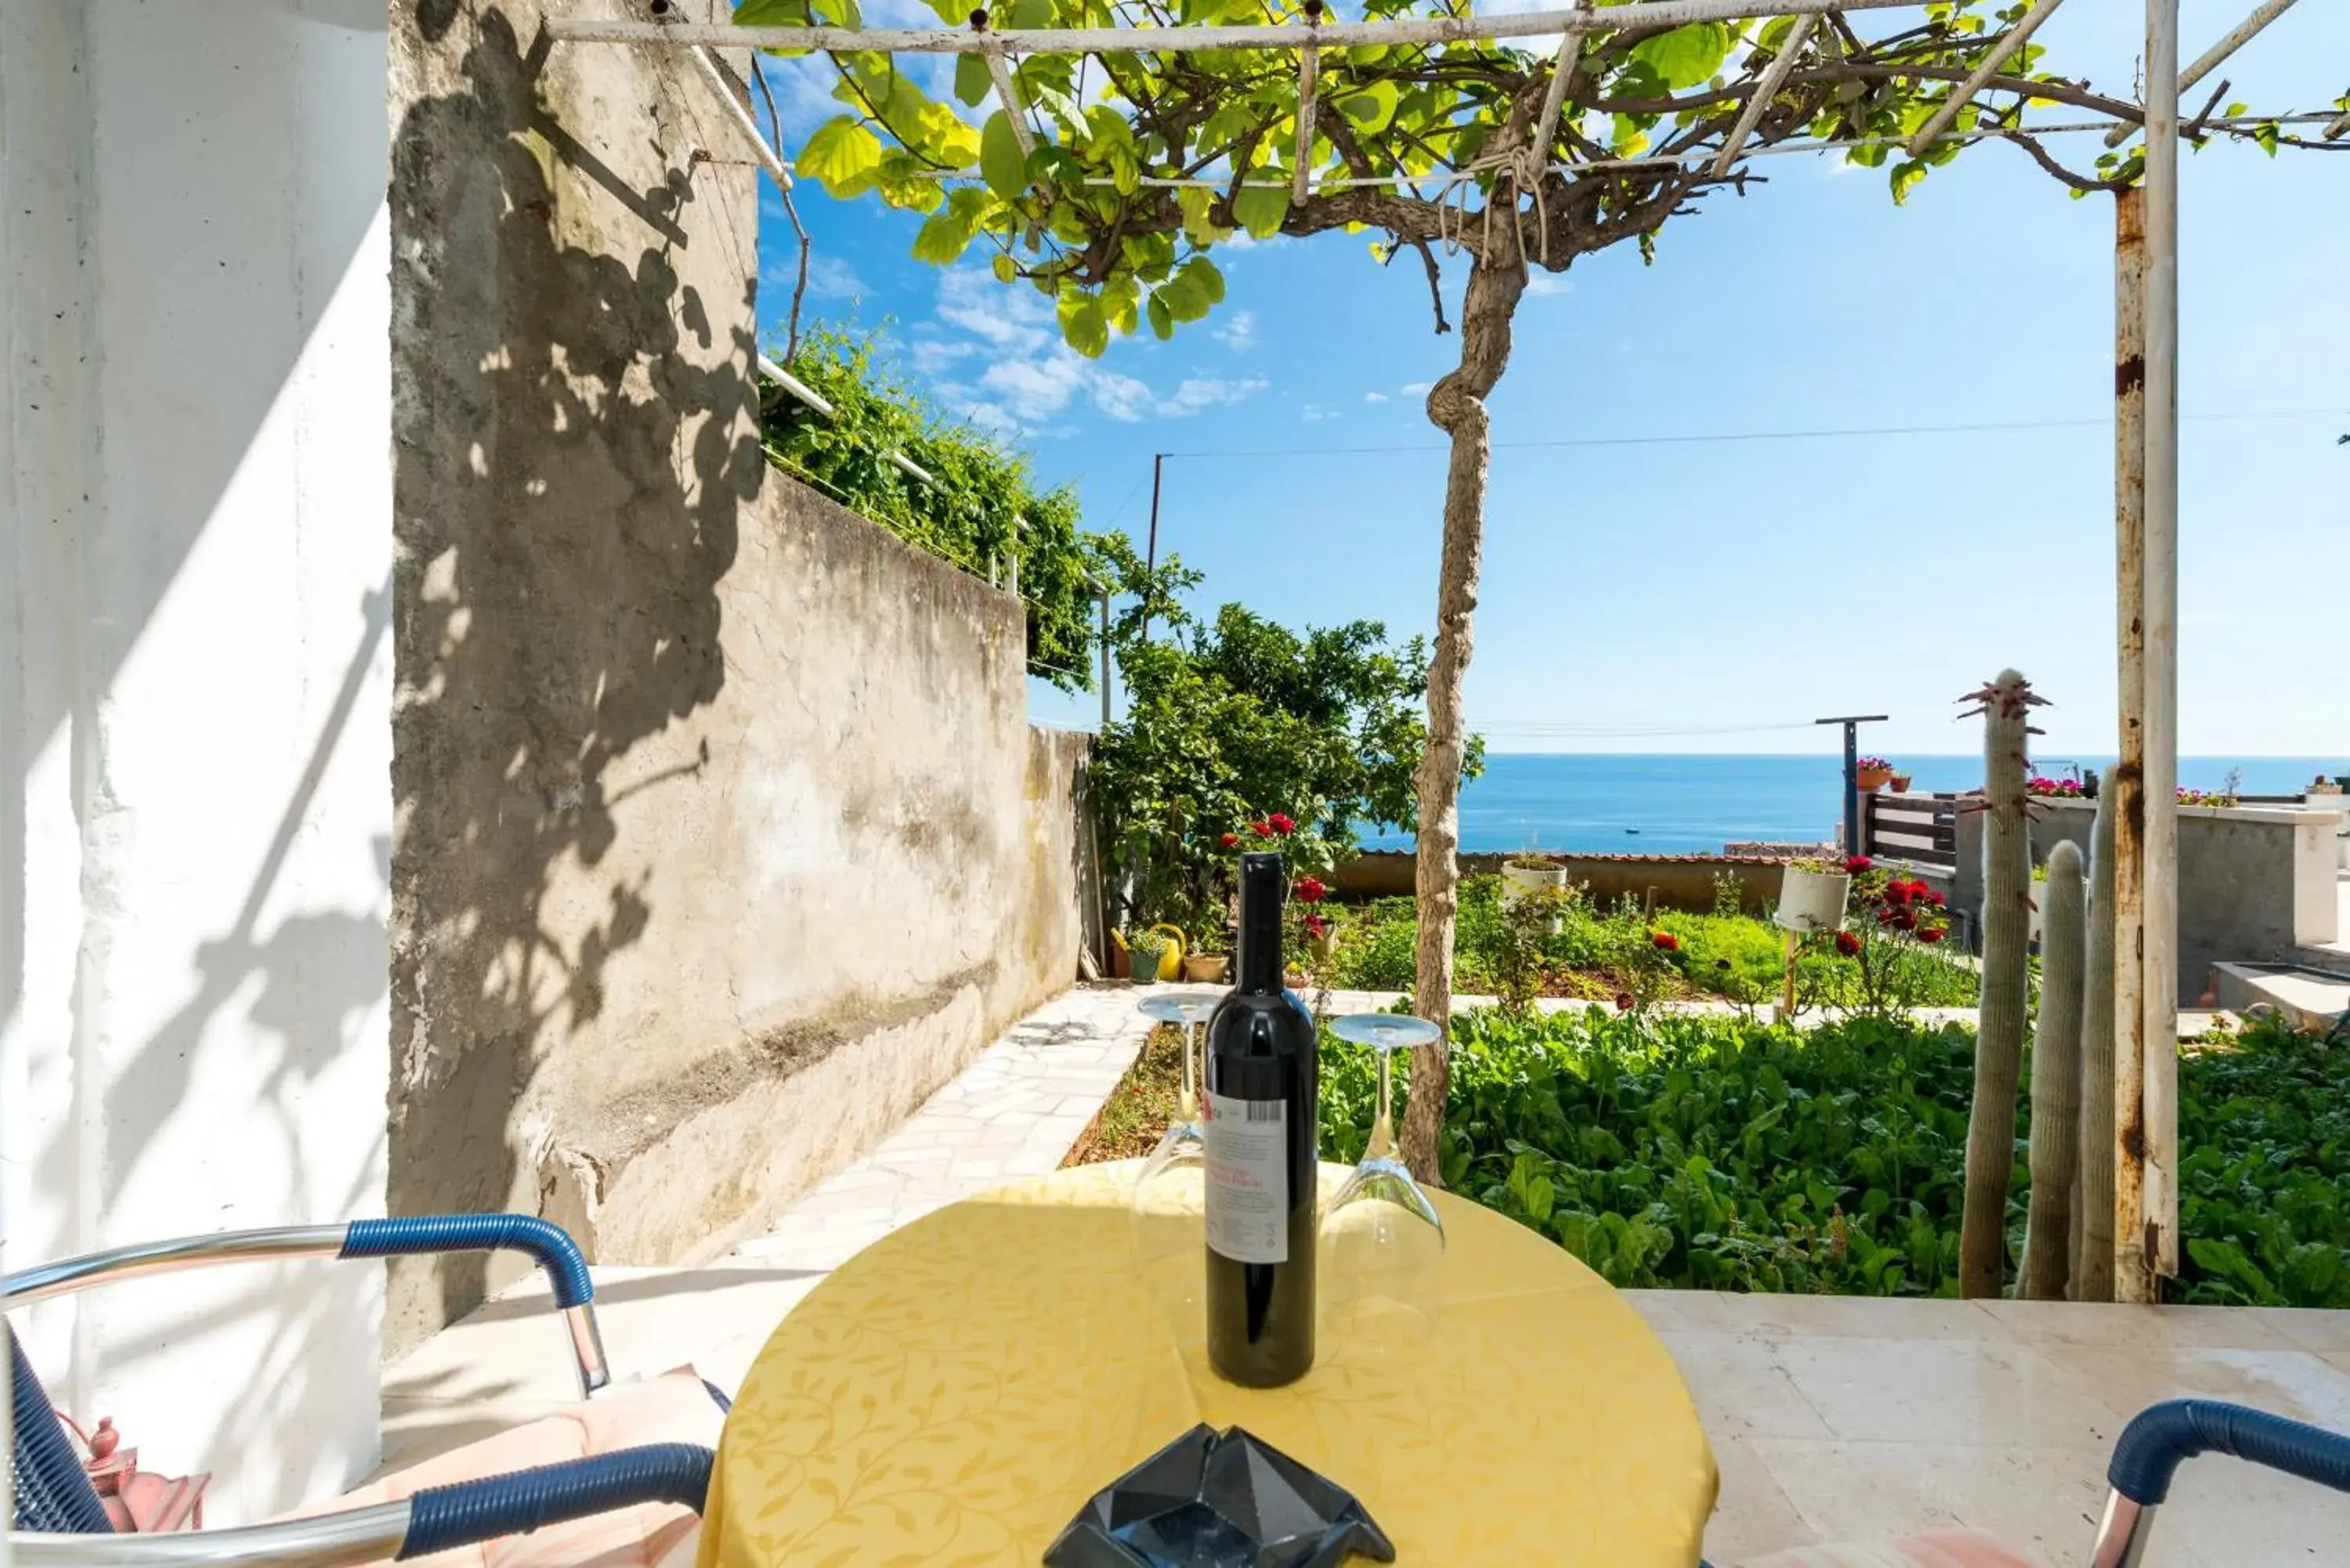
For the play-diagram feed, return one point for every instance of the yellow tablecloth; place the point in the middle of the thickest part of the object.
(949, 1398)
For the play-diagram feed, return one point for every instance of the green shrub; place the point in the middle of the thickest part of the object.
(1715, 1153)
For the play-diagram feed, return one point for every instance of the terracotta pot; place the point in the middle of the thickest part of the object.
(1900, 784)
(1207, 969)
(1875, 779)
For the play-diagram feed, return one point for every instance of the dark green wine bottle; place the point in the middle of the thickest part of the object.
(1262, 1084)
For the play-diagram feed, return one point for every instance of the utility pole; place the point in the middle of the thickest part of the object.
(1150, 553)
(2124, 789)
(1105, 658)
(1852, 723)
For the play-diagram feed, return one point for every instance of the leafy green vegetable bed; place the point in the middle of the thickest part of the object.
(1711, 1153)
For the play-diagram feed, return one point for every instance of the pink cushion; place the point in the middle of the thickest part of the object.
(671, 1409)
(1942, 1548)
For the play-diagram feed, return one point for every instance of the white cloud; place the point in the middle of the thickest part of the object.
(996, 353)
(1237, 330)
(1417, 388)
(1375, 397)
(1315, 413)
(1543, 283)
(1197, 392)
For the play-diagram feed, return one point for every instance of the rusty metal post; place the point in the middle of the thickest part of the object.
(2160, 994)
(2126, 782)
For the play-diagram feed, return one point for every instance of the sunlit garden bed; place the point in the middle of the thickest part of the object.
(1713, 1152)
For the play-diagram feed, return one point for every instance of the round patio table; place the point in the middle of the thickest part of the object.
(951, 1395)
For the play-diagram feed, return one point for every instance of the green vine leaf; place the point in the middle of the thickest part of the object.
(1260, 209)
(1083, 323)
(1001, 162)
(842, 156)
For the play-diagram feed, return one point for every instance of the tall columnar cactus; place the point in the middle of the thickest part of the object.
(2093, 1190)
(1999, 1036)
(2055, 1079)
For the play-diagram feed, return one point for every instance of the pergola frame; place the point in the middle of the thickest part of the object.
(2145, 912)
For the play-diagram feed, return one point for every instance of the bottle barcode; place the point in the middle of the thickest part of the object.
(1263, 1110)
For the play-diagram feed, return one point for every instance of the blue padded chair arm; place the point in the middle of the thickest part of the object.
(2162, 1436)
(434, 1519)
(450, 1516)
(546, 1242)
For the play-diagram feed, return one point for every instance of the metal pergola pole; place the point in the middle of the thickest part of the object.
(2124, 787)
(1641, 14)
(2162, 978)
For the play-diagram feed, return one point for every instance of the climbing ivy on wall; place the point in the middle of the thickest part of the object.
(980, 496)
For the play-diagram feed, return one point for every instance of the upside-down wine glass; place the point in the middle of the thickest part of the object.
(1382, 1239)
(1170, 1194)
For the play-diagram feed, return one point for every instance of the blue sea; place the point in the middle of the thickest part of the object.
(1681, 804)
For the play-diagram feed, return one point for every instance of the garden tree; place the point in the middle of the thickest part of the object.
(1136, 165)
(1231, 721)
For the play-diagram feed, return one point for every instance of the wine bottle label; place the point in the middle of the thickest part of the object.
(1248, 1179)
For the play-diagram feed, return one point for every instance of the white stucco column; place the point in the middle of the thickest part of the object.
(195, 803)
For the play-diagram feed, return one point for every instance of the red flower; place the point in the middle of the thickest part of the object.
(1624, 1002)
(1884, 915)
(1281, 824)
(1311, 890)
(1933, 897)
(1666, 942)
(1933, 934)
(1905, 921)
(1858, 863)
(1230, 841)
(1315, 924)
(1259, 829)
(1847, 943)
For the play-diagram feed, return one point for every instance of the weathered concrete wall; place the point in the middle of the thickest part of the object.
(2254, 882)
(195, 695)
(723, 834)
(1675, 881)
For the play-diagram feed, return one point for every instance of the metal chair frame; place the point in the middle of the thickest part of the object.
(435, 1519)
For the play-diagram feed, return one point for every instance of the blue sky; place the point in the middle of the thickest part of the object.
(1708, 587)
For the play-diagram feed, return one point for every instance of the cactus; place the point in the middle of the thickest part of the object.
(2093, 1187)
(2055, 1080)
(1999, 1036)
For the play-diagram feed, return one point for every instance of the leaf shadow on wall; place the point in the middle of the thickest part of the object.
(573, 450)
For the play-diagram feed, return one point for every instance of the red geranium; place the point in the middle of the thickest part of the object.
(1259, 829)
(1847, 943)
(1933, 934)
(1624, 1002)
(1315, 924)
(1281, 824)
(1858, 863)
(1666, 942)
(1311, 890)
(1230, 841)
(1904, 920)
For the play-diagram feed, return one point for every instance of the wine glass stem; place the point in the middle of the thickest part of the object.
(1191, 1075)
(1382, 1146)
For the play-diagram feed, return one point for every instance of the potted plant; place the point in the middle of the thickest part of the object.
(1900, 784)
(1208, 959)
(1874, 773)
(1145, 951)
(1811, 893)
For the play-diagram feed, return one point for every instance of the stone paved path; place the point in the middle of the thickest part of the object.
(1013, 1112)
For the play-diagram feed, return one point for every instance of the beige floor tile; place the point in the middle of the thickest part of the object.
(2300, 1384)
(2310, 1329)
(2044, 1501)
(1752, 1515)
(2184, 1327)
(2229, 1514)
(1741, 1390)
(1946, 1391)
(1804, 1317)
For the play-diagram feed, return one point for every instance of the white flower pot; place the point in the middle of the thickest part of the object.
(1812, 900)
(1517, 881)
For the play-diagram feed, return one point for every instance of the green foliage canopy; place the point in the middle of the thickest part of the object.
(1232, 720)
(981, 507)
(1075, 219)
